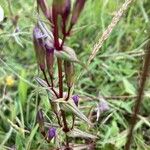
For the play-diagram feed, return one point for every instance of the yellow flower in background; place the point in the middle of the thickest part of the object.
(10, 81)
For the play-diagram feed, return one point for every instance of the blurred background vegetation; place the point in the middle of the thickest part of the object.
(115, 73)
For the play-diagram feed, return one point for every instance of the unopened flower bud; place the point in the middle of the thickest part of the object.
(51, 133)
(69, 73)
(66, 9)
(38, 47)
(40, 120)
(58, 6)
(44, 8)
(76, 99)
(101, 107)
(65, 14)
(79, 4)
(49, 58)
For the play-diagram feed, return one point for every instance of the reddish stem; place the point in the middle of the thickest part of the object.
(55, 31)
(139, 98)
(52, 87)
(49, 83)
(65, 129)
(68, 95)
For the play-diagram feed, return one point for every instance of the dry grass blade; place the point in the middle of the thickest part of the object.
(108, 31)
(139, 97)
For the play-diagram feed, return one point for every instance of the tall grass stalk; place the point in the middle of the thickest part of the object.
(108, 31)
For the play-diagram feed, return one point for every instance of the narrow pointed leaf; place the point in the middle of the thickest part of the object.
(44, 85)
(45, 30)
(70, 105)
(82, 134)
(41, 82)
(66, 55)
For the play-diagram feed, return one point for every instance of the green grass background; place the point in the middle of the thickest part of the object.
(114, 72)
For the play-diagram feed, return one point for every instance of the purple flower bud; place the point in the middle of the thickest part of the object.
(79, 4)
(38, 47)
(37, 33)
(76, 99)
(49, 48)
(51, 133)
(58, 6)
(66, 9)
(49, 58)
(44, 8)
(40, 120)
(39, 117)
(103, 106)
(69, 73)
(65, 14)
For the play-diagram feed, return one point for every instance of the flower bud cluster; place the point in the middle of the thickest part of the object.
(62, 17)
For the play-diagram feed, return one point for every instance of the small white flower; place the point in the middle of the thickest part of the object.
(1, 14)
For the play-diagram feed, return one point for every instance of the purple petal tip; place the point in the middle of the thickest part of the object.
(75, 99)
(51, 133)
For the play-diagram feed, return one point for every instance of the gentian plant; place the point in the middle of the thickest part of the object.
(51, 50)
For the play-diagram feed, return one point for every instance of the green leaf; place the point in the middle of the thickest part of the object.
(41, 82)
(112, 131)
(7, 136)
(120, 139)
(70, 105)
(67, 54)
(23, 88)
(129, 88)
(109, 146)
(45, 86)
(19, 142)
(79, 133)
(28, 145)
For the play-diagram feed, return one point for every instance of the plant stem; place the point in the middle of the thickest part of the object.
(55, 30)
(68, 95)
(139, 98)
(67, 141)
(49, 83)
(10, 8)
(46, 77)
(64, 121)
(63, 41)
(52, 87)
(60, 77)
(65, 128)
